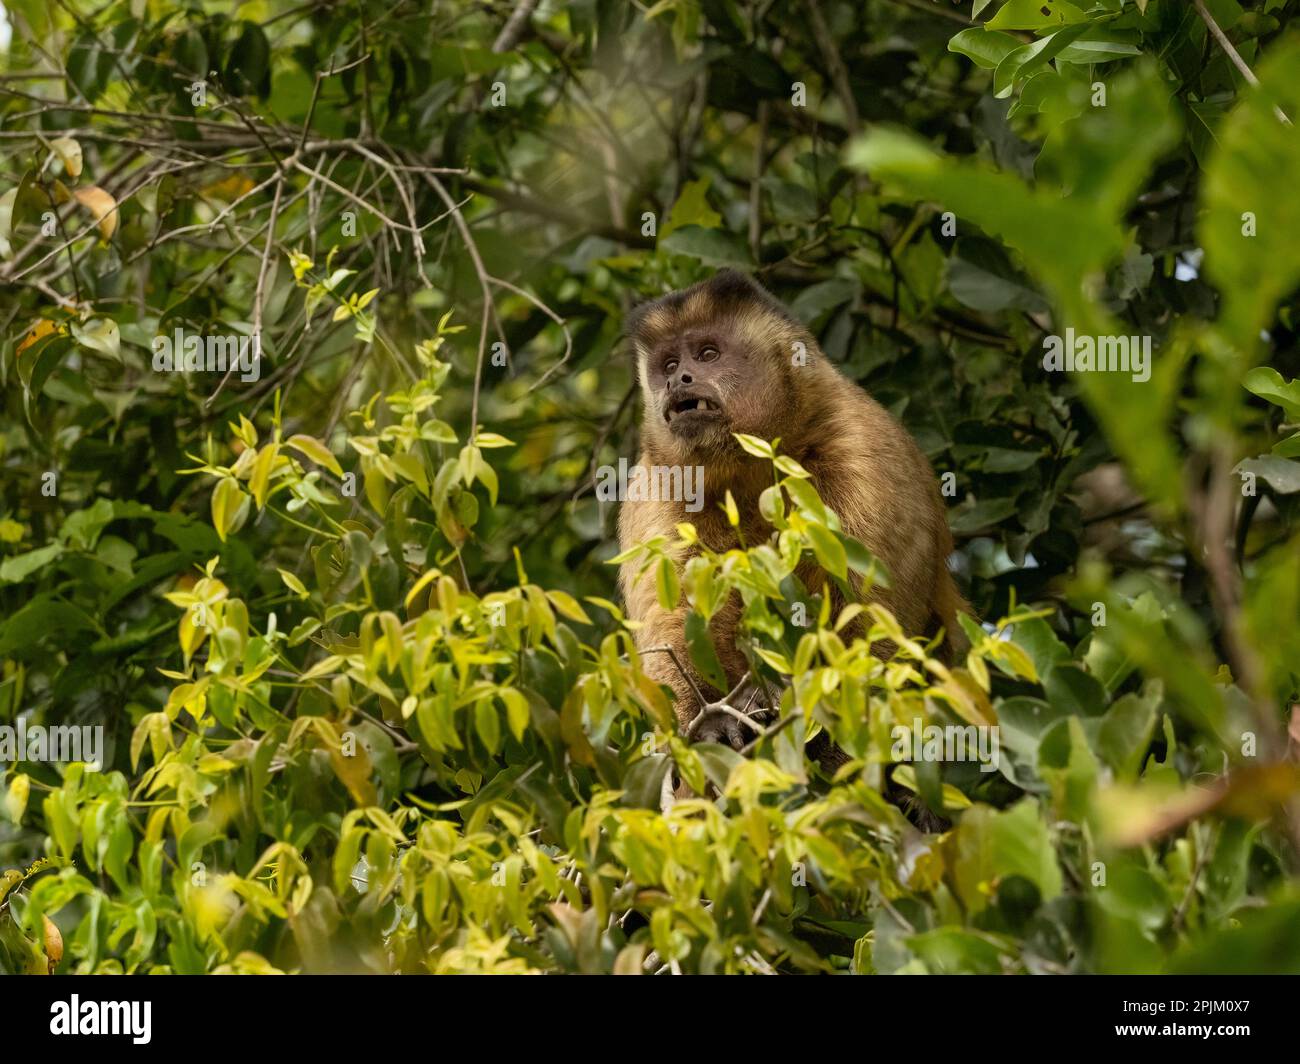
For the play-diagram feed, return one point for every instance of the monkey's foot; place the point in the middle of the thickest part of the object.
(735, 720)
(718, 726)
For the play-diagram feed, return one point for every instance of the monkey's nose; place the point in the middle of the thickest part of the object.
(685, 378)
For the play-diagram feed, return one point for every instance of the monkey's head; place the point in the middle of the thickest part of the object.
(715, 359)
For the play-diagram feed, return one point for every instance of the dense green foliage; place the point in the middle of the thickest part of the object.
(350, 628)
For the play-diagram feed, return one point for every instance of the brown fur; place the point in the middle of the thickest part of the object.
(863, 463)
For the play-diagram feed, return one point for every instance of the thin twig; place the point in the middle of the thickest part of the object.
(835, 65)
(515, 26)
(1233, 54)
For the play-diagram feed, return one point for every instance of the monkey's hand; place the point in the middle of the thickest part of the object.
(735, 720)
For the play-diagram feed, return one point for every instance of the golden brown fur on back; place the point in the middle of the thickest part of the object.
(770, 379)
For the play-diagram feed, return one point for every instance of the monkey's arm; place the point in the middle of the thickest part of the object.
(661, 641)
(661, 635)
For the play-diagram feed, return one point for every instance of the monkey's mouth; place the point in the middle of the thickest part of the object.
(690, 408)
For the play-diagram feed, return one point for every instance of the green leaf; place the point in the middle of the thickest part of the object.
(487, 724)
(1035, 15)
(704, 656)
(100, 335)
(568, 606)
(21, 566)
(1258, 942)
(955, 951)
(692, 208)
(643, 783)
(15, 803)
(249, 68)
(1066, 762)
(987, 48)
(1239, 195)
(1268, 383)
(715, 247)
(974, 516)
(718, 761)
(1069, 687)
(1100, 46)
(1024, 62)
(981, 277)
(1126, 732)
(1281, 474)
(991, 845)
(1035, 635)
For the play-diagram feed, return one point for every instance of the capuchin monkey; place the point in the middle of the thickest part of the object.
(725, 357)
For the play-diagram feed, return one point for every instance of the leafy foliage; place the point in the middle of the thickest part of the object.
(348, 623)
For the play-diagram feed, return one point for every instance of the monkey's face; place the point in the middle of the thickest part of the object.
(702, 384)
(710, 366)
(691, 377)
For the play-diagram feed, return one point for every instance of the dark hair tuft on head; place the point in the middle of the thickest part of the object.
(732, 287)
(728, 288)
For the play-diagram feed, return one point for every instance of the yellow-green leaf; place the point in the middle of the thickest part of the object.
(568, 606)
(16, 797)
(259, 483)
(226, 501)
(753, 445)
(516, 711)
(316, 451)
(392, 626)
(667, 583)
(293, 583)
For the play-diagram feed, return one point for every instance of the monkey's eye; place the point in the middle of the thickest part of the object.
(670, 367)
(707, 353)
